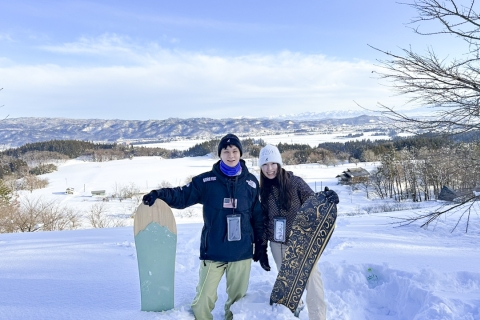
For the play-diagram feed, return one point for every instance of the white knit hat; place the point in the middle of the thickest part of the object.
(269, 153)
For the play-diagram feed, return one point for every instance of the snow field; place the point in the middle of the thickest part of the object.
(92, 273)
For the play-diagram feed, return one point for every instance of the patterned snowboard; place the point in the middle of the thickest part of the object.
(156, 243)
(312, 228)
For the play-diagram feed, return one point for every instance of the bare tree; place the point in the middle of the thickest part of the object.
(8, 208)
(8, 212)
(354, 160)
(365, 186)
(36, 158)
(164, 184)
(30, 214)
(368, 156)
(31, 182)
(99, 217)
(128, 191)
(59, 217)
(450, 86)
(122, 192)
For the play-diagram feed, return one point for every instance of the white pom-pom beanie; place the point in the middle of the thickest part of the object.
(269, 153)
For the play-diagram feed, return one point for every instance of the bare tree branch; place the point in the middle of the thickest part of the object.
(452, 17)
(449, 86)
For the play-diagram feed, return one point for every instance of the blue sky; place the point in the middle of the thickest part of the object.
(160, 59)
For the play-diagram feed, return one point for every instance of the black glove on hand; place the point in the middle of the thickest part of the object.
(149, 198)
(260, 253)
(264, 261)
(256, 253)
(331, 195)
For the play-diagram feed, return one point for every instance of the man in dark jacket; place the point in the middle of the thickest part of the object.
(233, 221)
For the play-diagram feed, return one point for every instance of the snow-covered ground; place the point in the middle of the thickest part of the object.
(312, 139)
(92, 273)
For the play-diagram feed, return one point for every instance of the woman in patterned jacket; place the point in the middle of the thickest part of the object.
(282, 194)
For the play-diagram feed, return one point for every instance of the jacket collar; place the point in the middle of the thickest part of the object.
(216, 170)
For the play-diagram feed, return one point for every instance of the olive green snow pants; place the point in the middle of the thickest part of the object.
(210, 274)
(317, 309)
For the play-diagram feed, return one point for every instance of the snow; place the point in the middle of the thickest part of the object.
(92, 273)
(312, 138)
(179, 145)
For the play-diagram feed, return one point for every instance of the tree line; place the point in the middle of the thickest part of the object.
(420, 174)
(413, 167)
(41, 157)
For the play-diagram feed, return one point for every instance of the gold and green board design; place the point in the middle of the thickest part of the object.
(155, 234)
(311, 231)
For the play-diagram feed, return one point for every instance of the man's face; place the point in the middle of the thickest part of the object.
(230, 156)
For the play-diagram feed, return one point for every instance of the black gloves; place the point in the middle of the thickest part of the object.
(260, 254)
(258, 249)
(264, 261)
(331, 195)
(149, 198)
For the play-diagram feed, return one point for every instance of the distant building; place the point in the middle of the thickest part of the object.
(353, 175)
(459, 195)
(98, 193)
(447, 194)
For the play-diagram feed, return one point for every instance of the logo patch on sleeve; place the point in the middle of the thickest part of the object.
(209, 179)
(252, 184)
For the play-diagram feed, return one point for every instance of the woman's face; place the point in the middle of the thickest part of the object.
(230, 156)
(270, 169)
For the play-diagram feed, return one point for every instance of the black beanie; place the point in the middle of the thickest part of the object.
(230, 140)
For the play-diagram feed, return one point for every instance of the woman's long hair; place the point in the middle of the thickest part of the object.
(283, 183)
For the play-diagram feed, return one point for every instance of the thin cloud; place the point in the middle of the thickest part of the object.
(5, 37)
(189, 22)
(104, 44)
(173, 83)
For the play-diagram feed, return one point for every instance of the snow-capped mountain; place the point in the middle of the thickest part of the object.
(18, 131)
(334, 114)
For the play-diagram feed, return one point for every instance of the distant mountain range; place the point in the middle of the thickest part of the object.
(334, 114)
(18, 131)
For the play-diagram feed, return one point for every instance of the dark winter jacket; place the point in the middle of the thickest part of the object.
(210, 189)
(301, 192)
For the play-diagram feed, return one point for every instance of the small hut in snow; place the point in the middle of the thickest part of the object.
(447, 194)
(353, 175)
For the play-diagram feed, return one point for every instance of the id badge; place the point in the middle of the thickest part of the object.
(230, 203)
(279, 227)
(234, 227)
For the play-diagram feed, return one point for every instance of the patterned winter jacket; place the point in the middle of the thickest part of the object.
(211, 189)
(301, 193)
